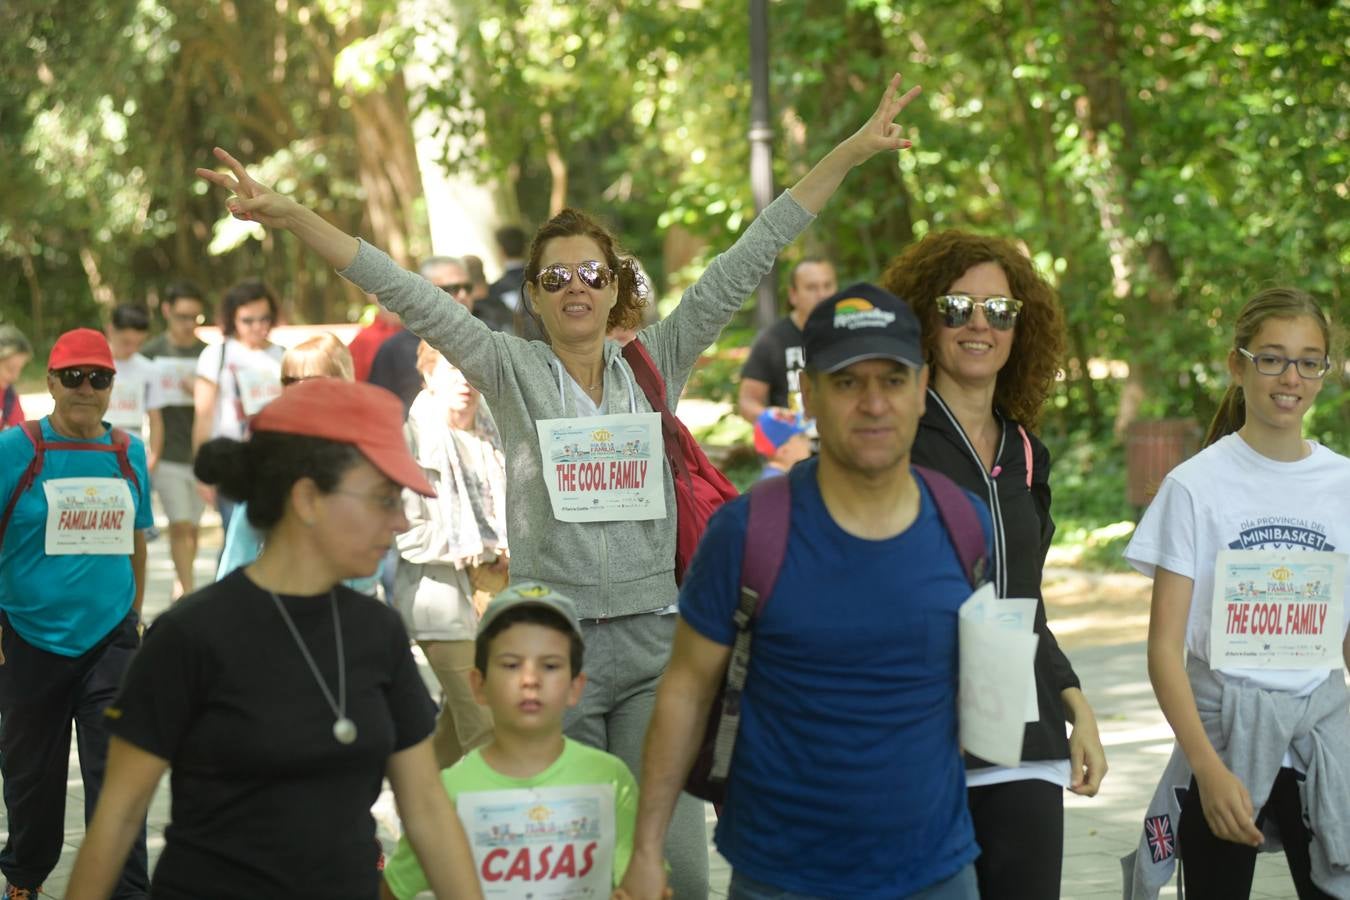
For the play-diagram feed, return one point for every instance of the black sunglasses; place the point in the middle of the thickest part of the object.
(71, 379)
(458, 287)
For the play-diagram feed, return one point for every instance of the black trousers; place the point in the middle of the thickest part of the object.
(41, 695)
(1213, 867)
(1019, 826)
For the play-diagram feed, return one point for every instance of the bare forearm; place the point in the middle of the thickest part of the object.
(103, 852)
(1167, 673)
(1076, 706)
(818, 185)
(138, 559)
(438, 839)
(672, 742)
(336, 247)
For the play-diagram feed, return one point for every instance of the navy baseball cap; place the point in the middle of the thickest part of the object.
(861, 322)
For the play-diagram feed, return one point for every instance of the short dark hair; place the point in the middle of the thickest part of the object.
(527, 614)
(262, 470)
(512, 240)
(183, 290)
(246, 291)
(130, 316)
(806, 261)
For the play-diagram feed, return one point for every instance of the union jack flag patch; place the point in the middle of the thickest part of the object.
(1161, 843)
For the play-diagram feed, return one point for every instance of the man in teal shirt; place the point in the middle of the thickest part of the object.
(72, 575)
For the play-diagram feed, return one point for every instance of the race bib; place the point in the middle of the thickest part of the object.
(553, 843)
(126, 405)
(176, 377)
(1277, 609)
(89, 516)
(604, 468)
(257, 388)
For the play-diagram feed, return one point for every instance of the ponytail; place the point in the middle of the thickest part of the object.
(1231, 415)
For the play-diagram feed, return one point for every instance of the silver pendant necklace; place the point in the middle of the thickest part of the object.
(344, 729)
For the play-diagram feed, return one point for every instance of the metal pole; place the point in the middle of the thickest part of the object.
(761, 148)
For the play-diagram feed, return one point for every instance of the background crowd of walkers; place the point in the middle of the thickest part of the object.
(410, 490)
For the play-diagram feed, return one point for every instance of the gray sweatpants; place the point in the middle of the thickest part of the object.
(625, 658)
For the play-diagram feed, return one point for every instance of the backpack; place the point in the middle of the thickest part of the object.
(770, 514)
(120, 442)
(699, 486)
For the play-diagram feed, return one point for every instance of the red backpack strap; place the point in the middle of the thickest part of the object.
(648, 377)
(962, 523)
(766, 537)
(32, 428)
(121, 441)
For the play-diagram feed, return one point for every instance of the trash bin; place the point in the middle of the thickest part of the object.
(1153, 447)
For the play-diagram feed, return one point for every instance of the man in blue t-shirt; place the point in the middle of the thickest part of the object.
(72, 574)
(847, 779)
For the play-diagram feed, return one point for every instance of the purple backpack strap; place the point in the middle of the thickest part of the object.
(766, 537)
(961, 521)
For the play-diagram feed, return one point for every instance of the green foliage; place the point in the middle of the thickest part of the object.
(1160, 161)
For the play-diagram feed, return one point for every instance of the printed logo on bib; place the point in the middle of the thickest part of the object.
(1280, 533)
(544, 843)
(126, 403)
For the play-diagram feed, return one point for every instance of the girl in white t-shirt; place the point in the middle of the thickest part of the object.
(1251, 680)
(238, 376)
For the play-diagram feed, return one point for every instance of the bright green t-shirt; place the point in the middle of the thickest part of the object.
(576, 765)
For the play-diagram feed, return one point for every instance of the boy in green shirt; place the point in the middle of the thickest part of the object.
(536, 806)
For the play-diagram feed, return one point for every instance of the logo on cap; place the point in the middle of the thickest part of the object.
(534, 591)
(855, 312)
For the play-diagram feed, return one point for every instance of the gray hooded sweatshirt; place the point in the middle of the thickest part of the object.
(609, 568)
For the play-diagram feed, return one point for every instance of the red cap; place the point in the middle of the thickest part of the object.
(81, 347)
(349, 412)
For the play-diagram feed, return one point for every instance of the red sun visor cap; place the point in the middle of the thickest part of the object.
(81, 347)
(363, 415)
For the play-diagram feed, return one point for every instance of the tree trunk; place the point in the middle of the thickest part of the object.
(389, 171)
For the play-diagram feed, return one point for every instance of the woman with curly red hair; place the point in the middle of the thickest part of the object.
(993, 336)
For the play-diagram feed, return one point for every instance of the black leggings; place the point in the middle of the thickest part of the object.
(1223, 870)
(1019, 826)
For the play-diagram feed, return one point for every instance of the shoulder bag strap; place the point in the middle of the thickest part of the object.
(961, 521)
(766, 537)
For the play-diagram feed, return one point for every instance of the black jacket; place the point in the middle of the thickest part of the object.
(1022, 532)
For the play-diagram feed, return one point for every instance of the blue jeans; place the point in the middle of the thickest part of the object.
(961, 886)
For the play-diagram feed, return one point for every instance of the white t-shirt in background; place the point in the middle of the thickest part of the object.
(1229, 496)
(135, 392)
(247, 381)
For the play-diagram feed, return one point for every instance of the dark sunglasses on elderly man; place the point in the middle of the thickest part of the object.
(999, 312)
(593, 273)
(71, 379)
(455, 288)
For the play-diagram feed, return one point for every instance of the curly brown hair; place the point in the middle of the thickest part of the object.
(926, 270)
(627, 311)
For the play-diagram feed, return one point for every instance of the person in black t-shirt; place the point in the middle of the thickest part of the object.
(279, 698)
(769, 376)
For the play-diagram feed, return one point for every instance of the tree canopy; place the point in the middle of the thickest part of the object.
(1159, 160)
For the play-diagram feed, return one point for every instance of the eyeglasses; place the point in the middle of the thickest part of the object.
(250, 321)
(71, 379)
(385, 503)
(593, 273)
(194, 318)
(459, 287)
(1274, 364)
(999, 312)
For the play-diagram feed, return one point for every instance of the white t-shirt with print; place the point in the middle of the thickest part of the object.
(135, 392)
(243, 367)
(1228, 496)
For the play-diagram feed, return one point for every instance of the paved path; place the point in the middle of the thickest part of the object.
(1097, 832)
